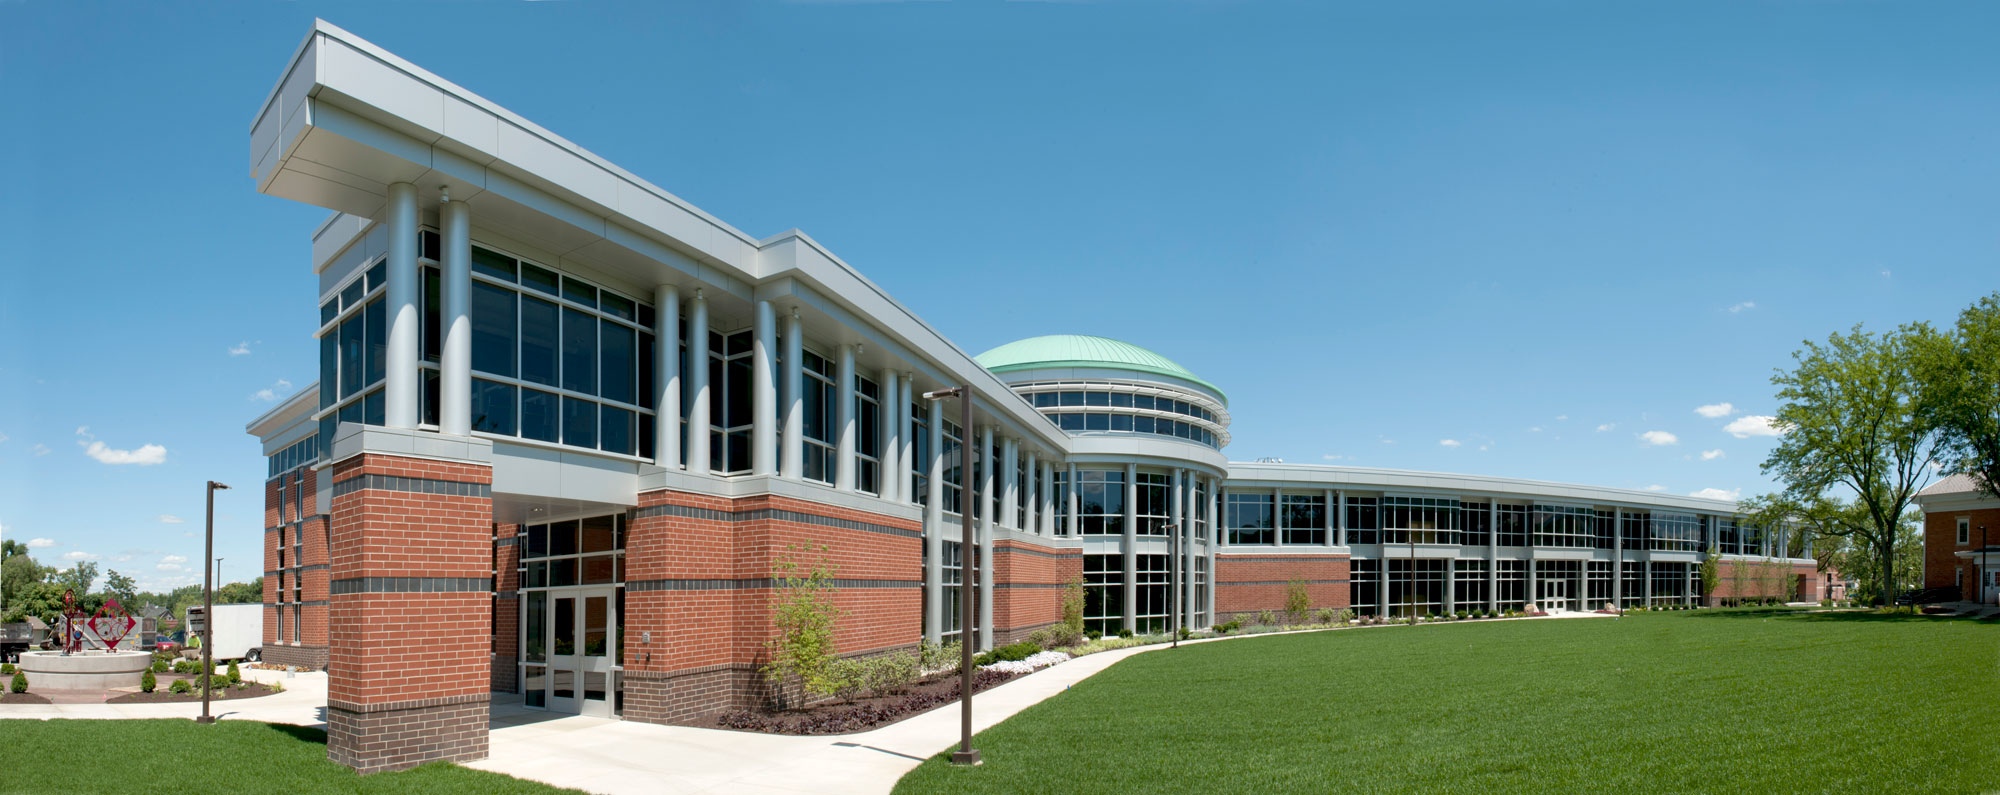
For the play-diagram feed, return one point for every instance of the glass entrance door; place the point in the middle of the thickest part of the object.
(581, 636)
(1554, 594)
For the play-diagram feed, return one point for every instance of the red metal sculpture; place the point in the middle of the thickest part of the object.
(112, 623)
(72, 624)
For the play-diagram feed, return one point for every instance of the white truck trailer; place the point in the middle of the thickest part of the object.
(238, 631)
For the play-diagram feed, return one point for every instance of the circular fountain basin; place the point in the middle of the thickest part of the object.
(90, 670)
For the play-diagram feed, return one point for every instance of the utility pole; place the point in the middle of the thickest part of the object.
(968, 454)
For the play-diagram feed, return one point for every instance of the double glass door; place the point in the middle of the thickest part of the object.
(577, 630)
(1555, 593)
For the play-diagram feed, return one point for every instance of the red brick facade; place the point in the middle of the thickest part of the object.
(699, 572)
(506, 607)
(1757, 579)
(1028, 583)
(1943, 568)
(412, 563)
(1248, 584)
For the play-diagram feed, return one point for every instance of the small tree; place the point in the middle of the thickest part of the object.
(20, 684)
(147, 682)
(1072, 604)
(235, 675)
(803, 651)
(1297, 601)
(1711, 574)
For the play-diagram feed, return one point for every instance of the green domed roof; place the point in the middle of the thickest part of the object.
(1080, 350)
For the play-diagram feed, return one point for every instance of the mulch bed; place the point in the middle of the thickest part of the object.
(162, 694)
(22, 698)
(861, 714)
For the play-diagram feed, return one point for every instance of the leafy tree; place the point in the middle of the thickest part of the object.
(1072, 604)
(120, 587)
(1710, 575)
(18, 573)
(804, 615)
(1961, 394)
(1906, 567)
(1851, 416)
(78, 578)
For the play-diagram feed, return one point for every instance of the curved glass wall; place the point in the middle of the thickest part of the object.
(1107, 407)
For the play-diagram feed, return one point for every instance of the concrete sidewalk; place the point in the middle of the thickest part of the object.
(302, 704)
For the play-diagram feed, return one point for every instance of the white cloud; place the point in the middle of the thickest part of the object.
(1606, 426)
(1386, 440)
(1330, 457)
(78, 555)
(1711, 455)
(1750, 425)
(174, 559)
(1735, 308)
(272, 392)
(41, 543)
(240, 349)
(145, 456)
(169, 567)
(1717, 494)
(1659, 438)
(1534, 429)
(1448, 442)
(1714, 410)
(1560, 417)
(41, 449)
(1656, 487)
(1482, 447)
(167, 518)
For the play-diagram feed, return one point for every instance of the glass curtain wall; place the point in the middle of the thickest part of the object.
(1104, 593)
(1303, 518)
(1248, 518)
(1363, 521)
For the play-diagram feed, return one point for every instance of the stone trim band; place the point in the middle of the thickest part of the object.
(421, 703)
(449, 488)
(753, 583)
(355, 585)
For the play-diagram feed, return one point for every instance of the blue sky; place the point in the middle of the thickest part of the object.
(1434, 236)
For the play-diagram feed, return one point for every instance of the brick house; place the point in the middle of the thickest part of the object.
(1961, 538)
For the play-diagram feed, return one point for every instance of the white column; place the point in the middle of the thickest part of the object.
(1033, 494)
(906, 481)
(1214, 523)
(1339, 508)
(791, 455)
(1070, 500)
(1048, 486)
(402, 379)
(987, 511)
(697, 367)
(889, 426)
(1130, 547)
(934, 529)
(1493, 555)
(843, 451)
(1618, 558)
(455, 356)
(764, 391)
(1010, 477)
(667, 376)
(1179, 518)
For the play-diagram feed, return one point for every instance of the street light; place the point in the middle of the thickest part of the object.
(969, 458)
(208, 607)
(1174, 583)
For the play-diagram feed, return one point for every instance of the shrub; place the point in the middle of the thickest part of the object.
(1346, 616)
(1297, 601)
(933, 657)
(1266, 617)
(1065, 635)
(180, 686)
(1093, 634)
(890, 671)
(1015, 651)
(1185, 632)
(147, 683)
(183, 666)
(6, 668)
(235, 675)
(1042, 638)
(1325, 615)
(1227, 627)
(1072, 605)
(20, 682)
(844, 678)
(159, 666)
(1460, 615)
(1124, 633)
(804, 616)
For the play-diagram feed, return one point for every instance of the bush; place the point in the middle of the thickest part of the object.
(889, 672)
(1266, 617)
(235, 676)
(6, 668)
(1124, 633)
(1326, 615)
(933, 657)
(20, 682)
(1042, 638)
(804, 615)
(1093, 634)
(183, 667)
(159, 666)
(147, 683)
(845, 678)
(1013, 652)
(1298, 602)
(1227, 627)
(1460, 615)
(180, 686)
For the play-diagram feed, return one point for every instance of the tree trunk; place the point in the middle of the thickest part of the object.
(1888, 552)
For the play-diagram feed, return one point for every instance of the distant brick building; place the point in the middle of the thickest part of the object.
(1961, 538)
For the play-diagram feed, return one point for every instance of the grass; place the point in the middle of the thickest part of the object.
(227, 756)
(1728, 700)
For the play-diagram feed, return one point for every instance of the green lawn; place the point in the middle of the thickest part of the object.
(97, 756)
(1735, 700)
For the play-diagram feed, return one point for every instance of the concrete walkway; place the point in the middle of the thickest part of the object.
(302, 704)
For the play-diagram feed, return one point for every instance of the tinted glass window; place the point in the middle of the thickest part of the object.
(430, 397)
(579, 352)
(493, 333)
(428, 244)
(493, 407)
(617, 306)
(1072, 398)
(492, 263)
(648, 391)
(616, 427)
(579, 292)
(376, 338)
(329, 310)
(1045, 399)
(350, 356)
(373, 409)
(539, 278)
(539, 418)
(579, 422)
(351, 294)
(562, 540)
(378, 274)
(329, 368)
(433, 314)
(1121, 400)
(615, 376)
(539, 335)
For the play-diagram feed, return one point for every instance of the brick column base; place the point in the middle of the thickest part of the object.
(373, 738)
(313, 657)
(677, 697)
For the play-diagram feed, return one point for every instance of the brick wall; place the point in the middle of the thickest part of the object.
(1756, 579)
(1248, 584)
(1028, 583)
(698, 574)
(1942, 565)
(296, 572)
(506, 608)
(411, 612)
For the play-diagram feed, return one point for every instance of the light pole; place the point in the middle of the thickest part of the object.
(1174, 583)
(968, 454)
(208, 606)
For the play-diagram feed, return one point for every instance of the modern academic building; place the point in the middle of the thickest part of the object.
(568, 425)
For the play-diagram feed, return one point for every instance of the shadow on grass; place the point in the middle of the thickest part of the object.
(304, 734)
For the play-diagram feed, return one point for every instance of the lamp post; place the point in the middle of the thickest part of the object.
(208, 606)
(969, 457)
(1174, 583)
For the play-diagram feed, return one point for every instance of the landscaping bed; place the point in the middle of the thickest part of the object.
(863, 712)
(22, 698)
(164, 693)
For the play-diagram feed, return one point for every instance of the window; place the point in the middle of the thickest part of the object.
(1201, 513)
(1248, 518)
(1151, 575)
(540, 333)
(1155, 493)
(1419, 520)
(1475, 524)
(1632, 584)
(1101, 501)
(1513, 525)
(1511, 583)
(728, 402)
(1416, 587)
(1363, 521)
(1964, 531)
(1104, 593)
(953, 572)
(495, 329)
(1468, 584)
(816, 389)
(920, 450)
(867, 434)
(1302, 518)
(1364, 579)
(1674, 532)
(1564, 526)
